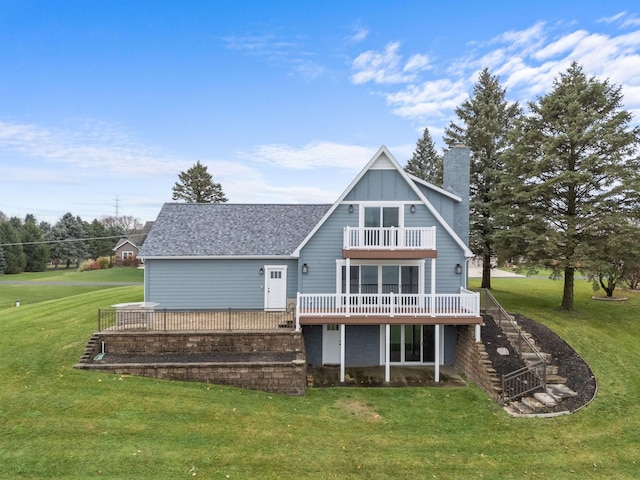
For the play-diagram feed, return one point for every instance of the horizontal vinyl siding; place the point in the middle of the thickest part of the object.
(443, 204)
(321, 252)
(211, 284)
(449, 252)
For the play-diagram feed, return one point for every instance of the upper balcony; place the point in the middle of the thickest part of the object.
(389, 242)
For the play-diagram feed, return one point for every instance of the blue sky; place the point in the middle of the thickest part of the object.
(103, 103)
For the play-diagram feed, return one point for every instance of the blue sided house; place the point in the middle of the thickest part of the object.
(377, 278)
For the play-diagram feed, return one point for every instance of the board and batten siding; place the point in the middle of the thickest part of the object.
(211, 284)
(382, 186)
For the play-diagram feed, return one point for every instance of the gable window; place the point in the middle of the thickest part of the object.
(126, 254)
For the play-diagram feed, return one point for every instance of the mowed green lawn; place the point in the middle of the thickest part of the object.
(58, 422)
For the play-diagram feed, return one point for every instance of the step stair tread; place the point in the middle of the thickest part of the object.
(533, 403)
(520, 407)
(560, 391)
(536, 355)
(556, 379)
(545, 398)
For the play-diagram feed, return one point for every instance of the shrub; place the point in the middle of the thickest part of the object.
(104, 262)
(85, 265)
(90, 264)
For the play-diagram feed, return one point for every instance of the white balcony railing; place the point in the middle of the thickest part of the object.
(390, 238)
(465, 304)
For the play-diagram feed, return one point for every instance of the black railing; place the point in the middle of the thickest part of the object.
(529, 378)
(131, 319)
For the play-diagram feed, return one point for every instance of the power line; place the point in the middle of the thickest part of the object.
(66, 240)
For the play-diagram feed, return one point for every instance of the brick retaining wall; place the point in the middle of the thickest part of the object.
(473, 360)
(288, 377)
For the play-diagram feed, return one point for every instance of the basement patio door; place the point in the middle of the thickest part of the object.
(412, 344)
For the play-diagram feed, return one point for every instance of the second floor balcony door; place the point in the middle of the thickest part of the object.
(376, 217)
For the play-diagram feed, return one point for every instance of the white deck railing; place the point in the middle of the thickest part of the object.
(465, 304)
(389, 238)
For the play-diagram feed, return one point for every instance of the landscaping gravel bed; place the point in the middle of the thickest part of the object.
(570, 365)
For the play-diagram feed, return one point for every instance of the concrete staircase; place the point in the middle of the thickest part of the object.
(90, 349)
(543, 402)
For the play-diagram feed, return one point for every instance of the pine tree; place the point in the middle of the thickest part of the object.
(3, 263)
(197, 186)
(486, 120)
(65, 236)
(574, 179)
(14, 257)
(37, 253)
(425, 162)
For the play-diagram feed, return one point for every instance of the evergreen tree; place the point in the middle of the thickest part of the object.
(425, 162)
(104, 238)
(14, 257)
(37, 253)
(197, 186)
(486, 120)
(573, 181)
(65, 235)
(3, 263)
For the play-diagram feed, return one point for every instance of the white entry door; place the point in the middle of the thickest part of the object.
(330, 344)
(275, 287)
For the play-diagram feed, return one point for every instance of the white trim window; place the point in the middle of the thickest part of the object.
(384, 277)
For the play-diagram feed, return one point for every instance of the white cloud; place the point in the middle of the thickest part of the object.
(89, 148)
(562, 45)
(384, 67)
(527, 62)
(431, 99)
(360, 34)
(313, 156)
(613, 18)
(417, 63)
(527, 39)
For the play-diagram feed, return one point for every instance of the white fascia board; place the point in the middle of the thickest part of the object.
(436, 188)
(219, 257)
(124, 243)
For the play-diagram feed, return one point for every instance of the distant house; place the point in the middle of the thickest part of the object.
(125, 253)
(377, 278)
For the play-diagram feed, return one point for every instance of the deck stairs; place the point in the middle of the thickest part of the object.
(556, 390)
(539, 402)
(88, 354)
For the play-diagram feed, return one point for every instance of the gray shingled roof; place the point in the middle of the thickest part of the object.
(210, 229)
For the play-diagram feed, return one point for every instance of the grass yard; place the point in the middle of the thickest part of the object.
(57, 422)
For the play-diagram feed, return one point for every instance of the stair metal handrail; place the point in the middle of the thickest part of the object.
(529, 378)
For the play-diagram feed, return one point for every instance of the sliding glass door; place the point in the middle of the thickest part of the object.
(412, 344)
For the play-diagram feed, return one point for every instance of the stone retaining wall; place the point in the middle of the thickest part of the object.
(289, 378)
(473, 360)
(158, 343)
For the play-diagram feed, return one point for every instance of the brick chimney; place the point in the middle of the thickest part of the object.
(456, 179)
